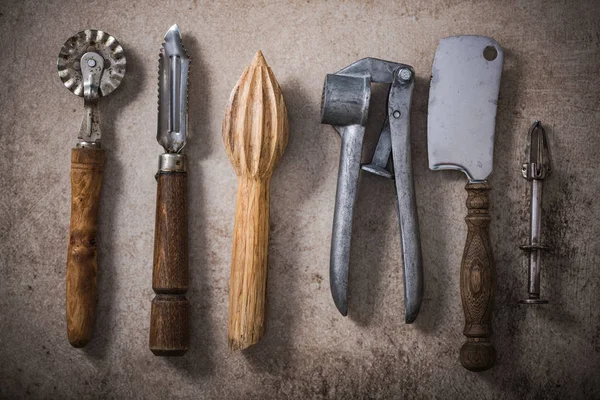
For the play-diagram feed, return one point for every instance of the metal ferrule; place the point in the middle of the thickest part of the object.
(172, 162)
(88, 145)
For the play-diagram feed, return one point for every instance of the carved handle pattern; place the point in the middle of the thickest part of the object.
(477, 282)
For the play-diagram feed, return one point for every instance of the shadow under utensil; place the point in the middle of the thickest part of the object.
(112, 185)
(569, 205)
(374, 212)
(299, 173)
(558, 203)
(198, 361)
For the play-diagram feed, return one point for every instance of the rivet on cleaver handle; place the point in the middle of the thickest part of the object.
(463, 99)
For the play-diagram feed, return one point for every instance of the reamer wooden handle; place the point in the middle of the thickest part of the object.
(169, 319)
(82, 257)
(248, 282)
(477, 282)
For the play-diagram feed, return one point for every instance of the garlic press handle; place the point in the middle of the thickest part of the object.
(345, 201)
(399, 101)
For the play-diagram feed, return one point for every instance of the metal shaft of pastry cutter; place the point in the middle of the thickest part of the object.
(536, 171)
(92, 65)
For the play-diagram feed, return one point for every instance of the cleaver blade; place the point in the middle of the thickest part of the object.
(463, 97)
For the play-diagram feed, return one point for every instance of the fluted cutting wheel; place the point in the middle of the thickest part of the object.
(69, 68)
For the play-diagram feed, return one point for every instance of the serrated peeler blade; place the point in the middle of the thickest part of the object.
(172, 92)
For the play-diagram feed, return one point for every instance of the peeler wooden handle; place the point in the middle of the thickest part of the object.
(169, 319)
(248, 282)
(477, 282)
(82, 257)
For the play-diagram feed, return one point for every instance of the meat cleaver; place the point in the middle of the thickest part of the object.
(463, 97)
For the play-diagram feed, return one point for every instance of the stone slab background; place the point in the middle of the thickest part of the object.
(552, 73)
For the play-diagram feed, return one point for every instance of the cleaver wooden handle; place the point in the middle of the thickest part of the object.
(477, 282)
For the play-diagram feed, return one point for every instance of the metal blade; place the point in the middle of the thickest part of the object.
(173, 67)
(463, 98)
(100, 42)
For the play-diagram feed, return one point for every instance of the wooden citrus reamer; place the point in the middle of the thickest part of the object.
(255, 133)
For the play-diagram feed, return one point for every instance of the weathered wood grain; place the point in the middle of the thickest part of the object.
(82, 256)
(169, 319)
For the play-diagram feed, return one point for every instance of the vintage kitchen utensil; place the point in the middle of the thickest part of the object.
(169, 318)
(255, 133)
(535, 171)
(345, 105)
(91, 64)
(463, 97)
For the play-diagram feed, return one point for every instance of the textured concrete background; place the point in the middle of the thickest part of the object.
(552, 72)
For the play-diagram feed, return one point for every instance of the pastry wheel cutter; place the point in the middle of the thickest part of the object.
(91, 64)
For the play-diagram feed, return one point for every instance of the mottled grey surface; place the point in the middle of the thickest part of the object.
(552, 72)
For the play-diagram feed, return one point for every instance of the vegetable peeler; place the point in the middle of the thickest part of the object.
(169, 316)
(91, 64)
(345, 106)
